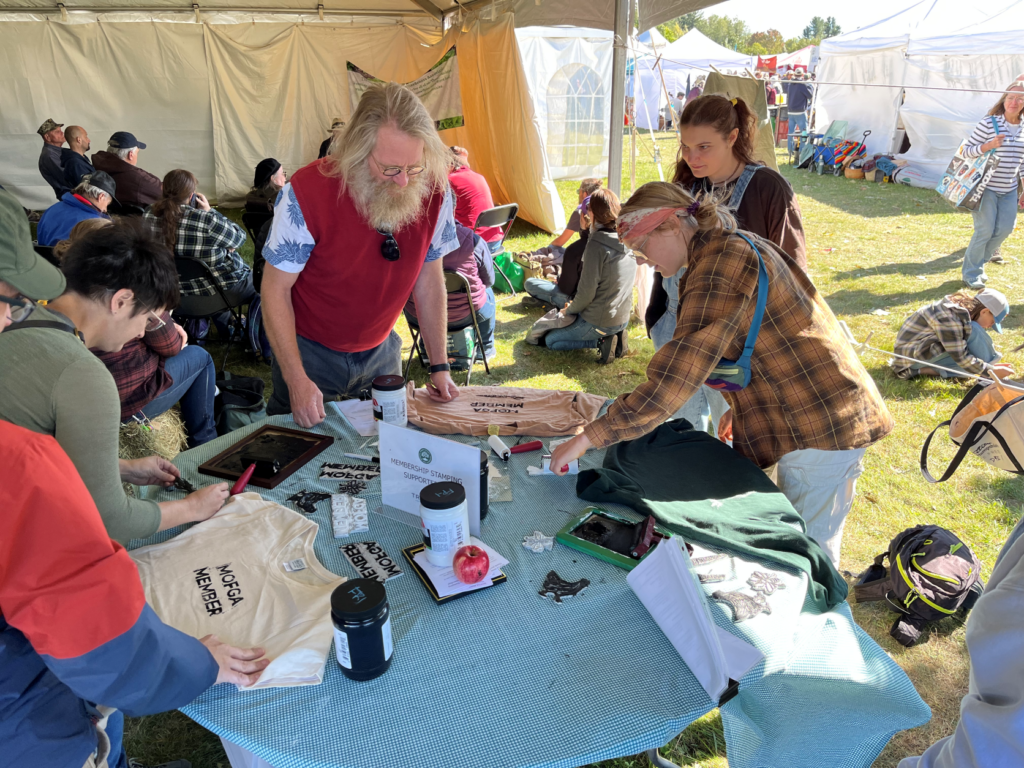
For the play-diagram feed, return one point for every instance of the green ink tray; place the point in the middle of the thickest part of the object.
(621, 535)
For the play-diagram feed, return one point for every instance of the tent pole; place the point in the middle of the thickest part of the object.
(632, 158)
(621, 40)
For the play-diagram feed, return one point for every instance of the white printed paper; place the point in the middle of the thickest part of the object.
(370, 560)
(410, 460)
(358, 413)
(348, 515)
(667, 586)
(447, 583)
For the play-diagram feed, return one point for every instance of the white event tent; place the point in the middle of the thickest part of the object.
(680, 62)
(569, 71)
(892, 66)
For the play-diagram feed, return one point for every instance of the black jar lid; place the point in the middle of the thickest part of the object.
(389, 383)
(446, 495)
(358, 600)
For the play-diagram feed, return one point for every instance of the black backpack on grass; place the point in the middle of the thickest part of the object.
(239, 403)
(932, 575)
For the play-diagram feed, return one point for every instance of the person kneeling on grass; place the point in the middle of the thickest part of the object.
(604, 298)
(953, 333)
(119, 280)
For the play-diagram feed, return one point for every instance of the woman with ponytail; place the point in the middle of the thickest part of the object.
(716, 156)
(805, 407)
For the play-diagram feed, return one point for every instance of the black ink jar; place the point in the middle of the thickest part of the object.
(485, 472)
(362, 628)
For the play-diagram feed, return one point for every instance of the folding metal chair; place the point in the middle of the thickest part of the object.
(193, 307)
(453, 283)
(501, 216)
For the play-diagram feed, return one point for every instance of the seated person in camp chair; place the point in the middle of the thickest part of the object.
(88, 200)
(469, 260)
(119, 281)
(188, 226)
(161, 369)
(605, 297)
(953, 333)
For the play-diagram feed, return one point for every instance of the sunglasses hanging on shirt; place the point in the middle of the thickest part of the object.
(389, 248)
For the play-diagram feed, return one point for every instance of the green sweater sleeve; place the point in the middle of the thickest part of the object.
(88, 410)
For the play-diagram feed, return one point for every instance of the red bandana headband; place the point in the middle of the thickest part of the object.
(643, 221)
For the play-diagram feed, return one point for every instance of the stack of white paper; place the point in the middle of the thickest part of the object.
(669, 589)
(359, 414)
(447, 583)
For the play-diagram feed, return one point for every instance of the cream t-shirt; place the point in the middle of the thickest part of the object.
(248, 575)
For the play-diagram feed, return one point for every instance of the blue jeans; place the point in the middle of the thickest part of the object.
(546, 291)
(195, 381)
(579, 335)
(485, 319)
(979, 344)
(115, 732)
(339, 375)
(797, 124)
(993, 223)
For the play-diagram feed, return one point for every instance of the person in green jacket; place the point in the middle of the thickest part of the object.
(118, 280)
(604, 297)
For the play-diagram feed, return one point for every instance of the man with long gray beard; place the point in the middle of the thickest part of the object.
(354, 235)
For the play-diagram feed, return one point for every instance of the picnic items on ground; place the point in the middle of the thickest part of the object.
(361, 617)
(250, 576)
(514, 410)
(932, 574)
(966, 178)
(988, 422)
(668, 587)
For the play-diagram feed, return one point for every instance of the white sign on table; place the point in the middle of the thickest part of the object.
(411, 460)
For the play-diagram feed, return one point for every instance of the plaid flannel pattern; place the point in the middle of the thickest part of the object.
(808, 388)
(934, 330)
(138, 367)
(208, 236)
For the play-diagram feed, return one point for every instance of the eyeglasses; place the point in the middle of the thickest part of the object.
(638, 252)
(154, 322)
(20, 308)
(389, 248)
(393, 170)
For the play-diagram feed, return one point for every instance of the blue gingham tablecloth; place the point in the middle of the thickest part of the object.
(505, 678)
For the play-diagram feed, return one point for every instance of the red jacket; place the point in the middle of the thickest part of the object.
(472, 197)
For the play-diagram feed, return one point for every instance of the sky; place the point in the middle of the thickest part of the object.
(791, 16)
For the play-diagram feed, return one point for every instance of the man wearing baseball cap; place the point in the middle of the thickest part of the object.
(50, 166)
(134, 185)
(89, 200)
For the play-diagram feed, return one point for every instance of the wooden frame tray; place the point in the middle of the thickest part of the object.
(271, 442)
(410, 554)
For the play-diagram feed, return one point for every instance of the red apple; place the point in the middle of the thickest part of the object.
(471, 564)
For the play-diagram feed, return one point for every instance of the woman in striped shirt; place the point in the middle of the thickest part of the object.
(997, 213)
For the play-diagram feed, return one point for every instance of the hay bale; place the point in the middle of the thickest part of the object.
(167, 438)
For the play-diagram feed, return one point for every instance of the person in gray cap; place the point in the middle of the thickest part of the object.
(88, 200)
(50, 167)
(121, 159)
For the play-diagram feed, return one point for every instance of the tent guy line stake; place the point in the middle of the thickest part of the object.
(862, 345)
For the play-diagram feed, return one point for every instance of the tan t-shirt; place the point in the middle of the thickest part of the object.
(516, 411)
(227, 576)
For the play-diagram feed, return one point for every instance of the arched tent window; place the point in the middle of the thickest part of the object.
(575, 117)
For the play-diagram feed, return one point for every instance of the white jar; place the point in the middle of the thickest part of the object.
(389, 400)
(445, 518)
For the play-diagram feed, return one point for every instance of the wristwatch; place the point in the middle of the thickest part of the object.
(439, 368)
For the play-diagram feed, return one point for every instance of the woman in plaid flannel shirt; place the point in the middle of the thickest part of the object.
(810, 409)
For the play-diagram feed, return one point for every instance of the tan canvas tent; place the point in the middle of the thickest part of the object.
(216, 89)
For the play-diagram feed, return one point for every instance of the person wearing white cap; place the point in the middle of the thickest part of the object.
(953, 333)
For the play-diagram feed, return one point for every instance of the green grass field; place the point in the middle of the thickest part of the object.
(870, 247)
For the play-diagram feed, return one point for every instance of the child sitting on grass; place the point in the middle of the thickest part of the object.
(953, 333)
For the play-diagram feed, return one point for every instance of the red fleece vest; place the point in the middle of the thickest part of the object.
(348, 297)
